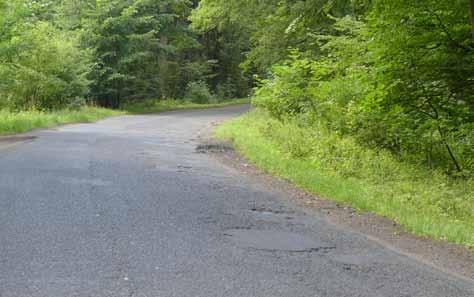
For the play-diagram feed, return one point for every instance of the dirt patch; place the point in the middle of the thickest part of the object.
(450, 258)
(8, 141)
(16, 138)
(273, 240)
(264, 210)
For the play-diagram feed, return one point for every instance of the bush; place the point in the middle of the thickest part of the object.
(226, 90)
(286, 93)
(77, 104)
(42, 68)
(422, 117)
(198, 92)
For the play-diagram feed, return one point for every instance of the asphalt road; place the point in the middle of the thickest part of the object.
(127, 207)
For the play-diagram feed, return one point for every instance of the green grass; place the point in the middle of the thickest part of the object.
(425, 202)
(18, 122)
(152, 106)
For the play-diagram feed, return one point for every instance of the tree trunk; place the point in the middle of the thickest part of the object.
(472, 18)
(450, 151)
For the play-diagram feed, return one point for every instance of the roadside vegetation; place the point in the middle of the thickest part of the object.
(152, 106)
(426, 202)
(22, 121)
(378, 93)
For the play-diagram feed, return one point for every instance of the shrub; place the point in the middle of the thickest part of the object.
(198, 92)
(423, 116)
(226, 90)
(77, 104)
(43, 68)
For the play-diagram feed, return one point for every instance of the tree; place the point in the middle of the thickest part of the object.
(41, 66)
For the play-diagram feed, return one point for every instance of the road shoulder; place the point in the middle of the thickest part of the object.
(12, 140)
(452, 259)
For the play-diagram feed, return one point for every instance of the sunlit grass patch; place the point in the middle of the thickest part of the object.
(23, 121)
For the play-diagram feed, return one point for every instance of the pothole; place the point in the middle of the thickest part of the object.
(185, 167)
(357, 263)
(274, 240)
(214, 147)
(271, 216)
(14, 139)
(269, 211)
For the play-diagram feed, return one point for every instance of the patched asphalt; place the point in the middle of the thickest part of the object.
(131, 206)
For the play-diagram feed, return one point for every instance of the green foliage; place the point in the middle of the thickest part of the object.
(134, 42)
(286, 92)
(271, 28)
(423, 56)
(41, 66)
(23, 121)
(395, 75)
(53, 53)
(198, 92)
(386, 92)
(145, 49)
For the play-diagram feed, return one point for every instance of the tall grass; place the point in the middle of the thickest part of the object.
(18, 122)
(426, 202)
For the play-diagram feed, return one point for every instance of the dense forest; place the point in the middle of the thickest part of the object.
(396, 75)
(61, 52)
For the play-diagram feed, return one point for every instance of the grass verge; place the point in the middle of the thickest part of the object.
(425, 202)
(19, 122)
(152, 106)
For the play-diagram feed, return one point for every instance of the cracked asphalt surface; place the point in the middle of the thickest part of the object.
(127, 207)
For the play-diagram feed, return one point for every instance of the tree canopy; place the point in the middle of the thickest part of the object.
(395, 74)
